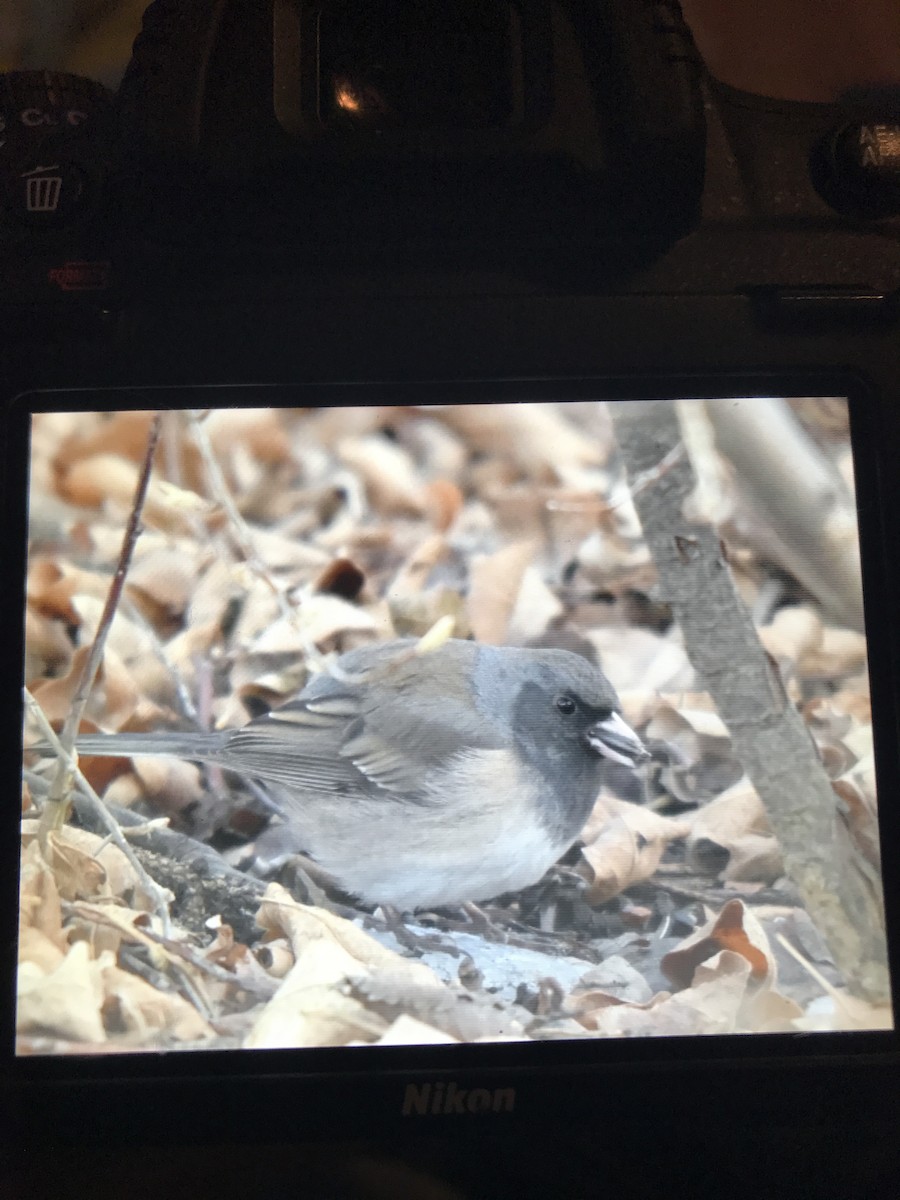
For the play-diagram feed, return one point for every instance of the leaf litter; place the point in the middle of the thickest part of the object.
(506, 523)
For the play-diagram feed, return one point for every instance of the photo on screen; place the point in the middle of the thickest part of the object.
(433, 723)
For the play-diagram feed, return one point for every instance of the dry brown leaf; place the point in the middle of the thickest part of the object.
(712, 1006)
(755, 858)
(467, 1016)
(36, 948)
(108, 478)
(281, 915)
(286, 555)
(93, 480)
(391, 479)
(443, 502)
(341, 577)
(328, 426)
(217, 590)
(769, 1011)
(412, 576)
(50, 588)
(795, 633)
(79, 876)
(842, 651)
(85, 868)
(440, 453)
(736, 929)
(837, 1010)
(55, 695)
(174, 509)
(537, 438)
(125, 789)
(494, 584)
(409, 1031)
(161, 584)
(623, 845)
(276, 957)
(855, 701)
(223, 950)
(66, 1002)
(535, 609)
(415, 614)
(638, 659)
(607, 558)
(690, 725)
(310, 1008)
(126, 638)
(614, 982)
(48, 650)
(669, 726)
(132, 1005)
(113, 699)
(123, 434)
(194, 644)
(260, 431)
(317, 620)
(731, 837)
(39, 904)
(171, 783)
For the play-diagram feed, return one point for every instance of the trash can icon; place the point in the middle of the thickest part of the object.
(42, 190)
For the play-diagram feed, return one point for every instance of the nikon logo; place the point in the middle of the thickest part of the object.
(440, 1099)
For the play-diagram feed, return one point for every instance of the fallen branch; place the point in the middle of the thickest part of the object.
(770, 739)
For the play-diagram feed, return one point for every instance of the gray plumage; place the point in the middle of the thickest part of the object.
(418, 780)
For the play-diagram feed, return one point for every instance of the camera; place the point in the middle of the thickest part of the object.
(410, 266)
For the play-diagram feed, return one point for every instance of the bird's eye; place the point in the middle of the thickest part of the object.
(565, 704)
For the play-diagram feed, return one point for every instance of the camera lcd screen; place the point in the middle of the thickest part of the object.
(556, 724)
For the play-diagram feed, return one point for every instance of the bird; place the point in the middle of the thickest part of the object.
(418, 780)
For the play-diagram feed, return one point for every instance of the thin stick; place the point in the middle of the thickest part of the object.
(176, 954)
(241, 531)
(156, 894)
(188, 707)
(56, 809)
(243, 537)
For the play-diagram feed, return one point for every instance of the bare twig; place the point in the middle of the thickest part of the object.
(152, 889)
(186, 703)
(770, 738)
(243, 538)
(56, 809)
(240, 530)
(177, 954)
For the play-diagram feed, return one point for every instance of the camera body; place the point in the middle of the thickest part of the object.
(516, 148)
(583, 203)
(554, 193)
(545, 223)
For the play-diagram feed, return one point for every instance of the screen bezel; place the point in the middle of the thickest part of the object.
(386, 1070)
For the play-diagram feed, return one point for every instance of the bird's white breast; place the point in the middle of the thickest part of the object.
(475, 834)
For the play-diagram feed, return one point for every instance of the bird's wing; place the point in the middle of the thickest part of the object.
(339, 742)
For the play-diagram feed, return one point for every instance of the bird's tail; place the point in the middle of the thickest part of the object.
(201, 747)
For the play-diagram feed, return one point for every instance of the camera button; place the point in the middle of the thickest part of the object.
(46, 193)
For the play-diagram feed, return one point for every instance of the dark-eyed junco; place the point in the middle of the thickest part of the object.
(421, 779)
